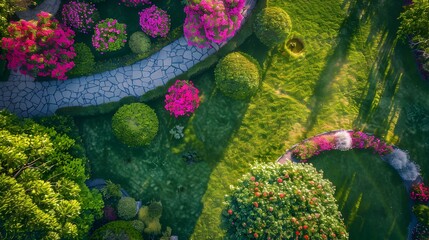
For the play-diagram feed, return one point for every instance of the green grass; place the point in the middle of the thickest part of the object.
(352, 74)
(370, 194)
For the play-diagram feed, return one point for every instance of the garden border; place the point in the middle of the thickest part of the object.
(288, 156)
(26, 98)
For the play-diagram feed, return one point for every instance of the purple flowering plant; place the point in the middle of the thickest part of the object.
(109, 35)
(212, 21)
(80, 16)
(182, 98)
(154, 21)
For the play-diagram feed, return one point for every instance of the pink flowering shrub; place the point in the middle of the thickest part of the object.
(362, 140)
(134, 3)
(155, 21)
(212, 21)
(39, 48)
(314, 146)
(182, 98)
(420, 193)
(109, 35)
(80, 16)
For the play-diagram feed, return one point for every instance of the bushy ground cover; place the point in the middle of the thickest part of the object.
(350, 75)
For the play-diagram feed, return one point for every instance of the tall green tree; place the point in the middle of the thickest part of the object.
(42, 189)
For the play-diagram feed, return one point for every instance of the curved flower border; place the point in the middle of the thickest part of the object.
(345, 140)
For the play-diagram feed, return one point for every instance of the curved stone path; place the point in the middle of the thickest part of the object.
(50, 6)
(287, 156)
(28, 98)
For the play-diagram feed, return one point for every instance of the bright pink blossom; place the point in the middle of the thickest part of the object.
(182, 98)
(80, 16)
(155, 21)
(212, 21)
(39, 48)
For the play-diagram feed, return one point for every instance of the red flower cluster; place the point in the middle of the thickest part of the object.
(182, 98)
(39, 48)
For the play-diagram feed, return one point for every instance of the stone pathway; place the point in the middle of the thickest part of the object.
(50, 6)
(27, 98)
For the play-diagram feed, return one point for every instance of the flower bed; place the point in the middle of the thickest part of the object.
(347, 140)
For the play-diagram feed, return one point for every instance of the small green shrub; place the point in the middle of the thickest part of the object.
(138, 225)
(139, 43)
(144, 214)
(272, 26)
(135, 124)
(155, 210)
(153, 227)
(84, 60)
(127, 208)
(283, 201)
(116, 230)
(422, 213)
(111, 191)
(238, 75)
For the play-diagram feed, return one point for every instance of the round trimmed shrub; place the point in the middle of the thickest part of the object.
(155, 22)
(109, 35)
(127, 208)
(116, 230)
(139, 43)
(272, 26)
(238, 75)
(135, 124)
(155, 210)
(80, 16)
(84, 60)
(138, 225)
(283, 201)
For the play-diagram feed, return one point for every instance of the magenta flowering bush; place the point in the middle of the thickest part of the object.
(39, 48)
(155, 21)
(134, 3)
(314, 146)
(80, 16)
(182, 98)
(212, 21)
(419, 192)
(109, 35)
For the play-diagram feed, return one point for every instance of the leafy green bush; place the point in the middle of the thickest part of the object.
(42, 184)
(422, 213)
(272, 26)
(139, 43)
(238, 75)
(84, 60)
(116, 230)
(135, 124)
(138, 225)
(283, 201)
(415, 25)
(127, 208)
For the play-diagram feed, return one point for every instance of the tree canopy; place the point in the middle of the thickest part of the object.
(42, 189)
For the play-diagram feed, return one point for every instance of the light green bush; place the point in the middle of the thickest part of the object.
(127, 208)
(272, 26)
(139, 43)
(138, 225)
(238, 75)
(135, 124)
(116, 230)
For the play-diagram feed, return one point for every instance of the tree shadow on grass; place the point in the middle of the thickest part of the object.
(348, 29)
(159, 171)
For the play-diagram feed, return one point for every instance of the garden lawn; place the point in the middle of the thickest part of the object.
(370, 194)
(352, 75)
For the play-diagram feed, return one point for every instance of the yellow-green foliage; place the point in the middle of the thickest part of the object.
(144, 214)
(153, 227)
(272, 26)
(238, 75)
